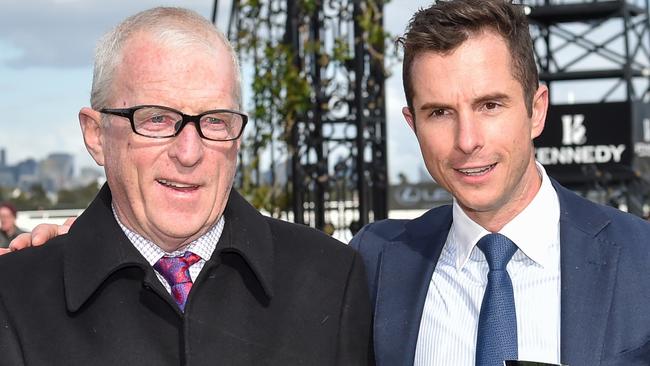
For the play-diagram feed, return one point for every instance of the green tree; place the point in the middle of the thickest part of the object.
(78, 197)
(281, 85)
(34, 199)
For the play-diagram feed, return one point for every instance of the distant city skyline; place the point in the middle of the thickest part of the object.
(54, 172)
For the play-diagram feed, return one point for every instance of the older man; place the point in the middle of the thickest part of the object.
(169, 265)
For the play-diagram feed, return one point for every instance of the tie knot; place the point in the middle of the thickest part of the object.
(176, 269)
(498, 250)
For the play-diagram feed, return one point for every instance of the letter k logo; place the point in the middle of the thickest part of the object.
(573, 130)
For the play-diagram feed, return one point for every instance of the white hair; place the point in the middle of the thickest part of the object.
(171, 26)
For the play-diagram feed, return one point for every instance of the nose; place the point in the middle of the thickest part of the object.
(469, 136)
(187, 147)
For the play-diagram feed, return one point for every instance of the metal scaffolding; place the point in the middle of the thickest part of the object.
(595, 58)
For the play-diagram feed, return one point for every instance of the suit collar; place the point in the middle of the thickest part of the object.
(97, 247)
(585, 215)
(588, 275)
(406, 267)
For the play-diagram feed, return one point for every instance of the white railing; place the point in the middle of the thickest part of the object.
(27, 220)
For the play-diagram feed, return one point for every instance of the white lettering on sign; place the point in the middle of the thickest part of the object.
(642, 149)
(580, 154)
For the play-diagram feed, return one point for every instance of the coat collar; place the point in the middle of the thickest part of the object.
(407, 265)
(97, 247)
(250, 237)
(588, 274)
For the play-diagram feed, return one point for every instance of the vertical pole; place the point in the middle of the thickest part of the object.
(320, 165)
(215, 7)
(379, 166)
(359, 103)
(297, 172)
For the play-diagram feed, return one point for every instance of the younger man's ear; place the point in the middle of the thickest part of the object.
(540, 106)
(409, 117)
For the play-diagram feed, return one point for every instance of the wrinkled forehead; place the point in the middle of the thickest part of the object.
(151, 70)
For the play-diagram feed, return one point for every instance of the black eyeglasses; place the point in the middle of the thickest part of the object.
(159, 122)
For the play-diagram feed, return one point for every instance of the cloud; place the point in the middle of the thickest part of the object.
(63, 33)
(398, 13)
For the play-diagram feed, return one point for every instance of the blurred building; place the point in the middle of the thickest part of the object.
(88, 175)
(53, 173)
(56, 171)
(26, 173)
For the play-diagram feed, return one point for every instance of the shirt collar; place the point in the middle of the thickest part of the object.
(542, 214)
(203, 246)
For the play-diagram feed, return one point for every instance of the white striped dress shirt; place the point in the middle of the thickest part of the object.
(448, 327)
(203, 246)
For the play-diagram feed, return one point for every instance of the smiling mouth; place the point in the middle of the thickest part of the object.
(176, 185)
(476, 171)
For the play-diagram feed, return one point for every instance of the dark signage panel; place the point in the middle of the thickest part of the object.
(419, 196)
(581, 139)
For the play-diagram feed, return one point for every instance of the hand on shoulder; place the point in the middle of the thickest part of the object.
(39, 236)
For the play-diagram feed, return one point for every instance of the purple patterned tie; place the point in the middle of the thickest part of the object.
(176, 270)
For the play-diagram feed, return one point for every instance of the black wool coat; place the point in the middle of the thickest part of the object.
(273, 293)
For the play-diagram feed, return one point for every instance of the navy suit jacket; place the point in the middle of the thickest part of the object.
(605, 279)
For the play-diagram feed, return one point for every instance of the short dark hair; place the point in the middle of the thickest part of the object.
(9, 206)
(445, 25)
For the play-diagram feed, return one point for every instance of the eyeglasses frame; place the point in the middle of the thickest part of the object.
(185, 119)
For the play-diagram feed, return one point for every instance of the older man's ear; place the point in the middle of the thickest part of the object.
(91, 128)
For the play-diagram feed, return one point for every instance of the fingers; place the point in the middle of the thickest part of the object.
(22, 241)
(63, 229)
(38, 236)
(43, 233)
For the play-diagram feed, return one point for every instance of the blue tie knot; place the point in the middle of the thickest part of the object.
(498, 250)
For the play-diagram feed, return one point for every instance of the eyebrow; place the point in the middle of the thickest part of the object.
(433, 105)
(480, 100)
(491, 97)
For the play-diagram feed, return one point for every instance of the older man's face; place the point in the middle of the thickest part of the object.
(169, 190)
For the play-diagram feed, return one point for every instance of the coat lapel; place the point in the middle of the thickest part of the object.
(406, 266)
(588, 274)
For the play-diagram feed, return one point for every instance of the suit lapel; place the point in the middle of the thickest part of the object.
(406, 266)
(588, 274)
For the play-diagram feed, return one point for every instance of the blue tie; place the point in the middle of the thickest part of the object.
(497, 324)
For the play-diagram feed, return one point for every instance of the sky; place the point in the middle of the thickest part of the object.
(46, 56)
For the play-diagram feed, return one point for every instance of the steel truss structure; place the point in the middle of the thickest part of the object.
(598, 52)
(605, 40)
